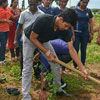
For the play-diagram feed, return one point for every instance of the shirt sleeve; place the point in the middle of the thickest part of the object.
(21, 18)
(90, 13)
(38, 26)
(35, 27)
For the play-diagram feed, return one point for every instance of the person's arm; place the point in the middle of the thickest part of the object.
(15, 16)
(76, 58)
(6, 21)
(38, 44)
(98, 38)
(91, 28)
(18, 31)
(73, 34)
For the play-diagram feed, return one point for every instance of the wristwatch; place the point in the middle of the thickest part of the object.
(43, 89)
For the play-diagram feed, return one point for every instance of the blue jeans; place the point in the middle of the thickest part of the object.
(81, 41)
(3, 41)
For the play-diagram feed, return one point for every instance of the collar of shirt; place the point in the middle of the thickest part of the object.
(53, 22)
(80, 9)
(44, 7)
(38, 11)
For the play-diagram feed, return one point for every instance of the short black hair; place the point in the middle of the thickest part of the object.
(36, 1)
(69, 15)
(2, 1)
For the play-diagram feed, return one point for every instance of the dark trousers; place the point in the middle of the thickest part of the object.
(81, 42)
(13, 54)
(3, 41)
(21, 58)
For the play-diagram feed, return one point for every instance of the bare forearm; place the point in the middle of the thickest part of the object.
(91, 26)
(3, 21)
(99, 33)
(18, 31)
(14, 16)
(39, 45)
(75, 56)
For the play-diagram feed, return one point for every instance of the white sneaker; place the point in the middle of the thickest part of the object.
(2, 63)
(64, 85)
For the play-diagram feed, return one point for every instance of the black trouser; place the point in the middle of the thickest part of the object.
(21, 58)
(13, 53)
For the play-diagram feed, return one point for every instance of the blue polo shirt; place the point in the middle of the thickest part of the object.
(83, 20)
(57, 10)
(46, 11)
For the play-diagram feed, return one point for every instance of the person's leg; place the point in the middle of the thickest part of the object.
(3, 41)
(18, 52)
(28, 49)
(21, 58)
(84, 42)
(54, 66)
(76, 46)
(12, 53)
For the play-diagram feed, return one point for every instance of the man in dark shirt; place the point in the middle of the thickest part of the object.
(48, 27)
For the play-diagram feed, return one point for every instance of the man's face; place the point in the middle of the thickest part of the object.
(63, 25)
(63, 3)
(84, 4)
(47, 2)
(32, 5)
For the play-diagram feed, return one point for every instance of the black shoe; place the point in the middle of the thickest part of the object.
(2, 79)
(13, 91)
(63, 85)
(63, 94)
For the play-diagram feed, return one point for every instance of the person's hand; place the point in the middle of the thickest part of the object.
(43, 95)
(36, 57)
(16, 43)
(9, 22)
(51, 57)
(85, 74)
(90, 38)
(98, 41)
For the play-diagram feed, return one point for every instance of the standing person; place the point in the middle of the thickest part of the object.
(16, 12)
(46, 7)
(26, 18)
(40, 36)
(5, 15)
(82, 33)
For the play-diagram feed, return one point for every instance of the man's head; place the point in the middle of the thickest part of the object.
(4, 3)
(67, 18)
(63, 3)
(47, 3)
(33, 5)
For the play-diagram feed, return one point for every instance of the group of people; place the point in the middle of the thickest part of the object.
(8, 24)
(57, 33)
